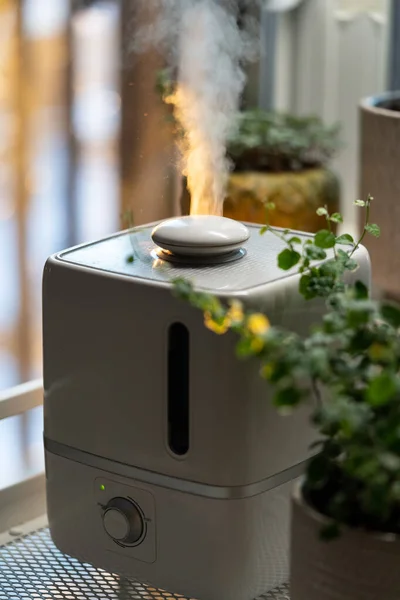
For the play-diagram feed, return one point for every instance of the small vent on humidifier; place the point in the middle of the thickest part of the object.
(178, 389)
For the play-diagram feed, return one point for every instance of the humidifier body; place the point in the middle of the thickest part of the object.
(165, 459)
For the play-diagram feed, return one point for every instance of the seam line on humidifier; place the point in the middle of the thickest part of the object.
(175, 483)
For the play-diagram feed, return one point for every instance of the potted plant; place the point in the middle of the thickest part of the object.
(281, 159)
(276, 159)
(379, 161)
(346, 509)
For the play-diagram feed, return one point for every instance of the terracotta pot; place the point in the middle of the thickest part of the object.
(356, 566)
(380, 176)
(296, 196)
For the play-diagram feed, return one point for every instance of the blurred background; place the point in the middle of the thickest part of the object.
(84, 135)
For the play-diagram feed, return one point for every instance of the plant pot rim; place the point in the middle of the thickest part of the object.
(320, 169)
(371, 104)
(315, 515)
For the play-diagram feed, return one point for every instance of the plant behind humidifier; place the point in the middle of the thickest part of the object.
(274, 142)
(270, 141)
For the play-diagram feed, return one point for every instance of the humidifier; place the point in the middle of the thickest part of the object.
(165, 459)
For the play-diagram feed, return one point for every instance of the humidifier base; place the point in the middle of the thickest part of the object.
(201, 547)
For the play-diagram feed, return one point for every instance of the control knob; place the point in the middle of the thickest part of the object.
(123, 521)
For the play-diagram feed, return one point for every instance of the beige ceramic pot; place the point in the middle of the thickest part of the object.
(296, 196)
(380, 176)
(356, 566)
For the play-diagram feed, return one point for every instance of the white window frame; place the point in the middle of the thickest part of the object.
(26, 499)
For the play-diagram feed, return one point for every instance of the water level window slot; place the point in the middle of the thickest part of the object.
(178, 389)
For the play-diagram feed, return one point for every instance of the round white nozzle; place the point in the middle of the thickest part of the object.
(200, 236)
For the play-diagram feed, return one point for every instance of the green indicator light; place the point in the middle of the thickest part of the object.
(102, 487)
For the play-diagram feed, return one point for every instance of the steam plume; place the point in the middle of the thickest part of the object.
(203, 41)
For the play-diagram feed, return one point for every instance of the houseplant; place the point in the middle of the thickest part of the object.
(278, 159)
(281, 159)
(346, 511)
(379, 160)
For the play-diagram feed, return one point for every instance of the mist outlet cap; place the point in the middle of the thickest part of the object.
(200, 235)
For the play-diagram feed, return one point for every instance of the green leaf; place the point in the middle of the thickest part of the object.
(315, 253)
(361, 291)
(263, 229)
(345, 239)
(294, 240)
(316, 470)
(381, 389)
(389, 461)
(207, 303)
(345, 414)
(182, 288)
(359, 312)
(373, 229)
(244, 348)
(391, 314)
(287, 397)
(321, 211)
(348, 263)
(331, 268)
(288, 259)
(359, 203)
(336, 218)
(324, 239)
(333, 322)
(304, 287)
(130, 259)
(270, 206)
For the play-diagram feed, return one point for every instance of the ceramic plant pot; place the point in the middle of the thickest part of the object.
(380, 176)
(356, 566)
(296, 196)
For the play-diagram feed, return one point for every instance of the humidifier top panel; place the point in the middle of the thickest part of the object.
(112, 255)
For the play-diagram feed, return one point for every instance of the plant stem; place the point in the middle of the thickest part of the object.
(365, 231)
(328, 221)
(280, 236)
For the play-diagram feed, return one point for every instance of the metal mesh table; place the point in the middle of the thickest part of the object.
(31, 568)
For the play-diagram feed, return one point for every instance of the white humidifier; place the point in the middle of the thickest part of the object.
(165, 458)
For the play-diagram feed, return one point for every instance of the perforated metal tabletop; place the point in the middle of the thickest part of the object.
(31, 568)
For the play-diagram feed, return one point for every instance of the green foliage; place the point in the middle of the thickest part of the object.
(279, 142)
(288, 258)
(345, 239)
(269, 141)
(373, 229)
(350, 363)
(391, 313)
(324, 239)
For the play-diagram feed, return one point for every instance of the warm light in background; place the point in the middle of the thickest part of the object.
(69, 156)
